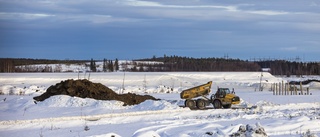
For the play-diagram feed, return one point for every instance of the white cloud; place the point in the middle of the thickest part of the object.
(143, 3)
(130, 10)
(139, 3)
(28, 16)
(268, 12)
(182, 22)
(229, 8)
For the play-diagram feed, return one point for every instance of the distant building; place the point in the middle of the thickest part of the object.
(266, 69)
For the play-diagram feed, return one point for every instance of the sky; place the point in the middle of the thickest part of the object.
(135, 29)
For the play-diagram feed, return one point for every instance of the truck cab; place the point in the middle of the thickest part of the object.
(222, 92)
(224, 98)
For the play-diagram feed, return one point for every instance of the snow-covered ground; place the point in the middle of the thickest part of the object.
(279, 115)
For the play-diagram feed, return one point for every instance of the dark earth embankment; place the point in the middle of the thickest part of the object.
(304, 82)
(87, 89)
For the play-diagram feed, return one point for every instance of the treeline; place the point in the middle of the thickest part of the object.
(176, 63)
(107, 65)
(14, 64)
(282, 67)
(167, 64)
(276, 67)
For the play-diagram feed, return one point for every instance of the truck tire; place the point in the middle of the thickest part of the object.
(227, 106)
(190, 103)
(201, 104)
(217, 104)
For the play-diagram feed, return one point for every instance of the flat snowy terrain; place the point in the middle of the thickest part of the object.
(64, 116)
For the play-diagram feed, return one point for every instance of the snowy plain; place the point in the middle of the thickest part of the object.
(279, 115)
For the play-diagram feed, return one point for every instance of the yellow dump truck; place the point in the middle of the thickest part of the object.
(196, 97)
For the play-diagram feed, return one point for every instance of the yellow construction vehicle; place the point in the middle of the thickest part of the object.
(222, 98)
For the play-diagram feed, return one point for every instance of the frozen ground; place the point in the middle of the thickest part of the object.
(291, 115)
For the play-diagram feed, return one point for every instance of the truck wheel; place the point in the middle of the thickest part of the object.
(217, 104)
(227, 106)
(190, 103)
(201, 104)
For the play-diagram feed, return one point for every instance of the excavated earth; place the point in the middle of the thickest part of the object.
(304, 82)
(87, 89)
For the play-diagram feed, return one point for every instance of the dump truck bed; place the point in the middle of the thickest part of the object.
(197, 91)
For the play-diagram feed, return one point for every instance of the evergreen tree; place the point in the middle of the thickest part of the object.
(91, 64)
(93, 67)
(116, 64)
(104, 67)
(110, 66)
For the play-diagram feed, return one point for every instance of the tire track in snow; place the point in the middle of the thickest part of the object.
(90, 117)
(266, 112)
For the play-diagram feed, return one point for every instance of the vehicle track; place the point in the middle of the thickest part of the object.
(91, 117)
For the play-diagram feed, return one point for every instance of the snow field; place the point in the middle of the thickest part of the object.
(62, 115)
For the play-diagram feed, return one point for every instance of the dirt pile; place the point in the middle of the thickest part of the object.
(87, 89)
(306, 82)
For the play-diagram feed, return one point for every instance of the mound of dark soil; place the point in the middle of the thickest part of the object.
(87, 89)
(306, 82)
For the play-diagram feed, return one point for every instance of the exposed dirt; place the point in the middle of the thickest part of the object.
(304, 82)
(87, 89)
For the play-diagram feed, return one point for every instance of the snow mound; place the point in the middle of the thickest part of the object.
(242, 104)
(266, 103)
(106, 135)
(22, 90)
(67, 101)
(309, 134)
(155, 105)
(315, 85)
(146, 134)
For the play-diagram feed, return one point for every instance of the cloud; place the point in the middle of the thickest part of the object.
(206, 25)
(142, 3)
(27, 16)
(138, 10)
(268, 12)
(156, 4)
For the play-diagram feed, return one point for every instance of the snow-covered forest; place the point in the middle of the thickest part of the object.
(162, 64)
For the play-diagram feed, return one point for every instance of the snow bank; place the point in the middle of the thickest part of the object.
(146, 134)
(155, 105)
(67, 101)
(154, 82)
(21, 90)
(106, 135)
(279, 115)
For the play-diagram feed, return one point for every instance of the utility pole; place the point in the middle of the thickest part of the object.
(145, 84)
(124, 76)
(260, 88)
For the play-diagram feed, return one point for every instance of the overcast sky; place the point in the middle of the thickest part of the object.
(133, 29)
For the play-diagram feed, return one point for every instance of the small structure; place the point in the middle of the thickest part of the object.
(266, 69)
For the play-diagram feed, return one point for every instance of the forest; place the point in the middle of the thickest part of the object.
(275, 67)
(12, 64)
(177, 64)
